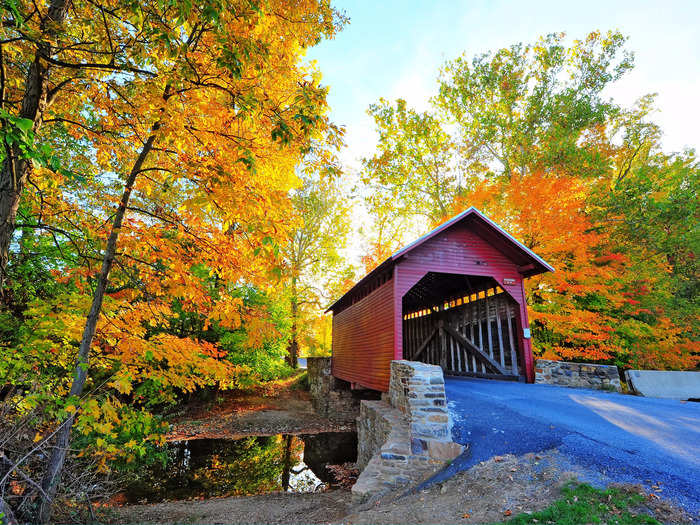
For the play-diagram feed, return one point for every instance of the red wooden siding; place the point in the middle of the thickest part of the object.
(363, 339)
(368, 319)
(459, 250)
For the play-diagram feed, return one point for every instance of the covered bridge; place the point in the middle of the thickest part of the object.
(454, 297)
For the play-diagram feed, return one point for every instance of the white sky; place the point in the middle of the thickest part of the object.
(394, 49)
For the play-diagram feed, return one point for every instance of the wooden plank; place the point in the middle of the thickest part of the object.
(424, 331)
(424, 345)
(472, 332)
(513, 353)
(416, 326)
(458, 350)
(485, 359)
(430, 352)
(452, 365)
(458, 360)
(414, 334)
(487, 304)
(443, 345)
(426, 327)
(500, 333)
(462, 360)
(406, 334)
(481, 332)
(429, 348)
(436, 346)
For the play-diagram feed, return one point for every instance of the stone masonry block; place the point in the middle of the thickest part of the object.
(581, 375)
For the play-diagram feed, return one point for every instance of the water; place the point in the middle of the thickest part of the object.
(206, 468)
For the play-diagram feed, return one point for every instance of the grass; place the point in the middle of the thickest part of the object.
(581, 503)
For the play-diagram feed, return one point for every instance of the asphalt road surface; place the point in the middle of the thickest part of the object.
(613, 437)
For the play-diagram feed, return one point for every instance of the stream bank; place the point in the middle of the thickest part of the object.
(281, 408)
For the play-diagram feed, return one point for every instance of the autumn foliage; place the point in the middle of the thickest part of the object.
(174, 218)
(525, 134)
(151, 192)
(592, 307)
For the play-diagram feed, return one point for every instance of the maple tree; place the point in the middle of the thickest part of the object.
(176, 196)
(589, 308)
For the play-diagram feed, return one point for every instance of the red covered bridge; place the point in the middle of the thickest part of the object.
(454, 297)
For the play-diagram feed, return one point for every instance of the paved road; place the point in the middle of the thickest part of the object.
(614, 437)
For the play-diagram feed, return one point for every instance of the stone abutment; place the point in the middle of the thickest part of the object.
(406, 436)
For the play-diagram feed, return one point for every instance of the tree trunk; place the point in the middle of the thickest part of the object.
(55, 463)
(293, 348)
(14, 170)
(287, 463)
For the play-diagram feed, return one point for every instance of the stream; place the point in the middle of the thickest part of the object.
(207, 468)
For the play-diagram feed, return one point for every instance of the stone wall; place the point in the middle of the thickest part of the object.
(417, 390)
(580, 375)
(373, 428)
(406, 436)
(384, 453)
(331, 398)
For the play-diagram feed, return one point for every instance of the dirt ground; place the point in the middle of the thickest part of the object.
(275, 409)
(268, 508)
(489, 492)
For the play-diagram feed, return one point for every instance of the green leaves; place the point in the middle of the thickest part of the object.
(534, 107)
(282, 133)
(17, 133)
(414, 167)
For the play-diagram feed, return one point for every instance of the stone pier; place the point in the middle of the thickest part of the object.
(332, 398)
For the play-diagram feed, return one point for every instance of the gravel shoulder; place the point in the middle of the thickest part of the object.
(493, 491)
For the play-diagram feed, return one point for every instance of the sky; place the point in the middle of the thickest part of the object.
(394, 49)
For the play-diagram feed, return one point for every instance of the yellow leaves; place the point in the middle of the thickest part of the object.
(198, 212)
(122, 385)
(228, 313)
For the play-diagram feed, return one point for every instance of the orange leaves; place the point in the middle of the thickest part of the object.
(570, 307)
(592, 307)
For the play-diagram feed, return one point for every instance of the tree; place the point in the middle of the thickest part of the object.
(414, 166)
(535, 107)
(191, 141)
(524, 108)
(602, 303)
(313, 253)
(526, 135)
(570, 308)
